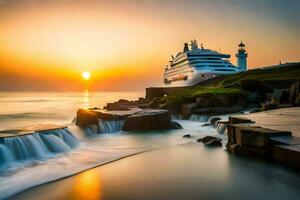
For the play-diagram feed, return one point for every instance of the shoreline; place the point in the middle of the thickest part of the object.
(193, 153)
(88, 168)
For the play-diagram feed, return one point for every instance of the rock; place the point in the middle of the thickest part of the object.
(116, 106)
(123, 101)
(279, 96)
(206, 124)
(203, 102)
(187, 136)
(246, 150)
(214, 121)
(187, 109)
(287, 154)
(121, 105)
(268, 106)
(240, 120)
(86, 118)
(149, 119)
(175, 125)
(213, 143)
(209, 138)
(202, 111)
(254, 136)
(217, 110)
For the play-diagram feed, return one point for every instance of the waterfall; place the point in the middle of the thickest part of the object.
(200, 118)
(6, 154)
(221, 128)
(110, 126)
(36, 146)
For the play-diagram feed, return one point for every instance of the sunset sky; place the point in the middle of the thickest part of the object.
(125, 44)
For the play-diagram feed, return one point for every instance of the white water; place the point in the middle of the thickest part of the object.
(26, 149)
(110, 126)
(221, 128)
(93, 150)
(200, 118)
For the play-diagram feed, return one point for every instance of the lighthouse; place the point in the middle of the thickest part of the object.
(242, 57)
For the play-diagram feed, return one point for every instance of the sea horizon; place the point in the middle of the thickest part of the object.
(149, 99)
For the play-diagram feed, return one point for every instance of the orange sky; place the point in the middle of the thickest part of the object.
(46, 45)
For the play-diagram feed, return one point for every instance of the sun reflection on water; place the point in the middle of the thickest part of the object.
(88, 185)
(86, 99)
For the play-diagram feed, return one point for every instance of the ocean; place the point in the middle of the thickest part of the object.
(46, 157)
(33, 164)
(19, 109)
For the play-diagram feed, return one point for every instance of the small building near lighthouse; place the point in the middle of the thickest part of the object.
(242, 57)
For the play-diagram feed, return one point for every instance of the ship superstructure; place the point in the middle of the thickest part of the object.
(195, 64)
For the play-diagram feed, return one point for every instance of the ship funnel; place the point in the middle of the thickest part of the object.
(186, 47)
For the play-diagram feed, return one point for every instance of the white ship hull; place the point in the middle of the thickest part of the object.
(192, 78)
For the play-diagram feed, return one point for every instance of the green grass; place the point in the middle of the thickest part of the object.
(190, 94)
(264, 75)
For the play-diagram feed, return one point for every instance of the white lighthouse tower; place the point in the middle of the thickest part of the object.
(242, 57)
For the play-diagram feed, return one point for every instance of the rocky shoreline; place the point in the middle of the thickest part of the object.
(238, 93)
(134, 118)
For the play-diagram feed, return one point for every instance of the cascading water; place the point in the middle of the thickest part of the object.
(6, 155)
(200, 118)
(36, 146)
(110, 126)
(221, 128)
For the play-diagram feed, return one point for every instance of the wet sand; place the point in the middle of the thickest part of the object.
(189, 171)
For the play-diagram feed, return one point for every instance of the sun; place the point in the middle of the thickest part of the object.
(86, 75)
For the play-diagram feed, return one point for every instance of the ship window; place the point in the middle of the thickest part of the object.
(224, 70)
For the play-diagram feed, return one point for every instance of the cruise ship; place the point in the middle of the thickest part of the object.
(194, 65)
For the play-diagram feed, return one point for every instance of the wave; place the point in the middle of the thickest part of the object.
(27, 115)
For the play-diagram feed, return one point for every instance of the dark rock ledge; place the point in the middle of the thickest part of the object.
(249, 139)
(136, 119)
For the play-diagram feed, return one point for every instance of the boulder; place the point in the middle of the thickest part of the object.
(187, 109)
(186, 136)
(115, 106)
(214, 121)
(203, 102)
(255, 136)
(149, 119)
(211, 141)
(209, 138)
(175, 125)
(86, 117)
(121, 105)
